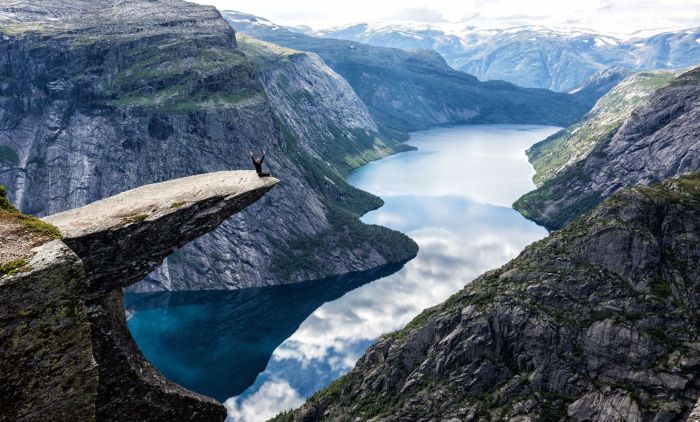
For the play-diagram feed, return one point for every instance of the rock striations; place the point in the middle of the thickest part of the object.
(66, 351)
(98, 97)
(117, 253)
(618, 146)
(598, 321)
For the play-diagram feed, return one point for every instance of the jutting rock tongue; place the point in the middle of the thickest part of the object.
(121, 239)
(79, 361)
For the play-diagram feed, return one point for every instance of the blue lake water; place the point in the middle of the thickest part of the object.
(265, 350)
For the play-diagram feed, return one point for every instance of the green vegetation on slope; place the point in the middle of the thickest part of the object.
(264, 54)
(32, 224)
(306, 85)
(345, 205)
(642, 131)
(560, 150)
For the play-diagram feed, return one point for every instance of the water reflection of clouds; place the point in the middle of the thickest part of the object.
(329, 341)
(453, 197)
(265, 403)
(474, 161)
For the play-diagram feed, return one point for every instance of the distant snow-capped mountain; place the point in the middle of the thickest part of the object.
(532, 56)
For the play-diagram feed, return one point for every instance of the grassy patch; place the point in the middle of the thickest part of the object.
(177, 204)
(13, 267)
(32, 224)
(135, 218)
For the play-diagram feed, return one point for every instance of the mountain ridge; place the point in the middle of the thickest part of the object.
(656, 140)
(532, 56)
(413, 90)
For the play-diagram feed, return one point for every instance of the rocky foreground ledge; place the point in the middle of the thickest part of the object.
(65, 350)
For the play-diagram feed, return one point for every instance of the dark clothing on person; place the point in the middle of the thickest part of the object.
(258, 166)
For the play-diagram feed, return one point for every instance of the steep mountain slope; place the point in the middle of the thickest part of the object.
(572, 144)
(599, 321)
(309, 100)
(413, 90)
(657, 140)
(101, 96)
(531, 56)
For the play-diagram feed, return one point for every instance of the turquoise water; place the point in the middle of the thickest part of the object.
(265, 350)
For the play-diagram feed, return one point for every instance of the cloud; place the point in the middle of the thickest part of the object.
(418, 14)
(272, 398)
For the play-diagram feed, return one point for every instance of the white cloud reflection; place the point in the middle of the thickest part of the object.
(270, 399)
(460, 236)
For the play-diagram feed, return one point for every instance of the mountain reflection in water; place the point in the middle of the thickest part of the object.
(270, 348)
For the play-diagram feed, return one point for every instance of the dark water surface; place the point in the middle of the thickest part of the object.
(264, 350)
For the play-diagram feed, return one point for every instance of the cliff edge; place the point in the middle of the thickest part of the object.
(66, 351)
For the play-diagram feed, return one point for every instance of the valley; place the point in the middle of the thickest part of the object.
(451, 222)
(451, 195)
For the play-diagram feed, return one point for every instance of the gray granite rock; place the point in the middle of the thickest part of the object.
(598, 321)
(100, 97)
(659, 139)
(121, 239)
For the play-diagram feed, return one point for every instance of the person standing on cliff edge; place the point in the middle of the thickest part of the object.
(257, 162)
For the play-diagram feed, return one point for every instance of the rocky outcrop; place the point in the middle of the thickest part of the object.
(552, 155)
(117, 253)
(45, 347)
(598, 321)
(99, 97)
(66, 350)
(412, 90)
(657, 140)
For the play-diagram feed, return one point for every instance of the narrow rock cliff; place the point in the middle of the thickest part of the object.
(598, 321)
(66, 351)
(618, 146)
(98, 97)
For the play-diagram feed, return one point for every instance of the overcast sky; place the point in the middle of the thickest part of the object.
(615, 16)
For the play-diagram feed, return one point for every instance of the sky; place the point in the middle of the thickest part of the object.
(607, 16)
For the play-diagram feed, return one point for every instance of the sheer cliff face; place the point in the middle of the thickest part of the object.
(311, 100)
(99, 97)
(598, 321)
(551, 156)
(657, 140)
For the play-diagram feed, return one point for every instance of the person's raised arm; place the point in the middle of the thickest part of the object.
(263, 156)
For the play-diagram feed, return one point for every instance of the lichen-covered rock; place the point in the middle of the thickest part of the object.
(121, 239)
(598, 321)
(46, 359)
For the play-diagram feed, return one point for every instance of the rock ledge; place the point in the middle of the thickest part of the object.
(65, 349)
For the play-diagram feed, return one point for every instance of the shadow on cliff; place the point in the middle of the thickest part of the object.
(219, 341)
